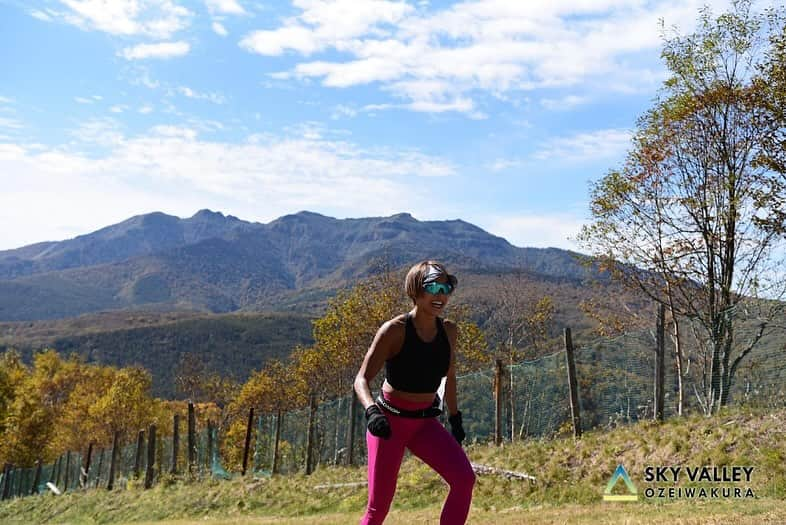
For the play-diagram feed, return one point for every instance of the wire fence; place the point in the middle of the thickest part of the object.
(615, 385)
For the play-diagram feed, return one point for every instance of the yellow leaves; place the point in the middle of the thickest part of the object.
(63, 404)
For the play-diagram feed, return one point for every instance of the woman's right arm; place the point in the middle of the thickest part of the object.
(376, 356)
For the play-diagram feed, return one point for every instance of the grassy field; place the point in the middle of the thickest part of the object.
(571, 476)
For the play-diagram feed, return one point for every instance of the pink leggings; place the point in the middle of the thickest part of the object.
(427, 439)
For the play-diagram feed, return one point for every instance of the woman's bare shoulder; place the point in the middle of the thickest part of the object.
(397, 324)
(394, 329)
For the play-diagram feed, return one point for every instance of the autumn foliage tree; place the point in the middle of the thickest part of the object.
(693, 219)
(61, 404)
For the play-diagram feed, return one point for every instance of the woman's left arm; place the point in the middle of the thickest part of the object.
(450, 383)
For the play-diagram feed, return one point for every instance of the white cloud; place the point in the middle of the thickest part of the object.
(10, 123)
(146, 109)
(104, 132)
(505, 164)
(162, 50)
(341, 111)
(326, 23)
(565, 103)
(229, 7)
(41, 15)
(83, 100)
(190, 93)
(441, 59)
(539, 230)
(171, 168)
(593, 145)
(153, 18)
(219, 29)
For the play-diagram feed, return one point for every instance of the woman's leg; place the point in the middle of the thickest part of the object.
(384, 460)
(440, 450)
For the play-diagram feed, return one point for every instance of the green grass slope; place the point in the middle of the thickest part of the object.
(571, 477)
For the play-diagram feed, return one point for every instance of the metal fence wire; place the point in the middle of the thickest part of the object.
(615, 380)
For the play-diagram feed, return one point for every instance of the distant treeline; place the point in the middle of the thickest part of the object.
(230, 345)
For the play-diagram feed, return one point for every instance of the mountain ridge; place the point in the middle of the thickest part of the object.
(219, 263)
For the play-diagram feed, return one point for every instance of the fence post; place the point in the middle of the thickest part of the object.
(175, 443)
(100, 466)
(8, 492)
(6, 482)
(312, 415)
(86, 470)
(660, 362)
(210, 444)
(498, 402)
(351, 427)
(151, 456)
(113, 461)
(572, 385)
(67, 470)
(274, 468)
(247, 442)
(59, 470)
(36, 478)
(191, 438)
(21, 473)
(140, 444)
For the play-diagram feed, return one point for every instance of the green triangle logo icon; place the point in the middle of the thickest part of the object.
(620, 473)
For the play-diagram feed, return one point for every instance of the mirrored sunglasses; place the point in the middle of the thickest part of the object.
(437, 288)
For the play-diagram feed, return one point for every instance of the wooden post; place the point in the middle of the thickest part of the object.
(6, 482)
(660, 363)
(312, 416)
(100, 466)
(572, 385)
(86, 470)
(8, 492)
(209, 458)
(113, 461)
(59, 470)
(175, 443)
(274, 469)
(67, 471)
(36, 478)
(151, 456)
(247, 442)
(351, 429)
(140, 445)
(191, 438)
(498, 402)
(21, 473)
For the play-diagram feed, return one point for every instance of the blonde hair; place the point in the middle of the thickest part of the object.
(413, 282)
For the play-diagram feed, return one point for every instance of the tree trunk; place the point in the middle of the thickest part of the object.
(679, 357)
(512, 399)
(726, 370)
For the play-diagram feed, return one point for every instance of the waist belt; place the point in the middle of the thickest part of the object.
(432, 411)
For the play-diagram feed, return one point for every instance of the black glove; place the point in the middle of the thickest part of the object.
(377, 423)
(456, 427)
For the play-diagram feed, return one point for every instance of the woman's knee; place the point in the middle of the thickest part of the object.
(463, 478)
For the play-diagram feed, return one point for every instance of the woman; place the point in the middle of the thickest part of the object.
(418, 350)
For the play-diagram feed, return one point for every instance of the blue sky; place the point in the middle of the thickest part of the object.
(499, 113)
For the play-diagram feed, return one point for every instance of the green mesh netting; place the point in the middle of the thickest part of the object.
(615, 385)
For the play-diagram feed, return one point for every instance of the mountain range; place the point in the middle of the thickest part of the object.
(218, 263)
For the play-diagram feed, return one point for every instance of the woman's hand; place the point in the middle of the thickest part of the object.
(377, 422)
(456, 427)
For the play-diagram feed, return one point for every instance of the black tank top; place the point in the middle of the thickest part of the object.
(419, 366)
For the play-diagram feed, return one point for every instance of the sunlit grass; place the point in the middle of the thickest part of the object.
(571, 477)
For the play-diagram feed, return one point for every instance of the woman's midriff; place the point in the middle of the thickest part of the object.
(393, 395)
